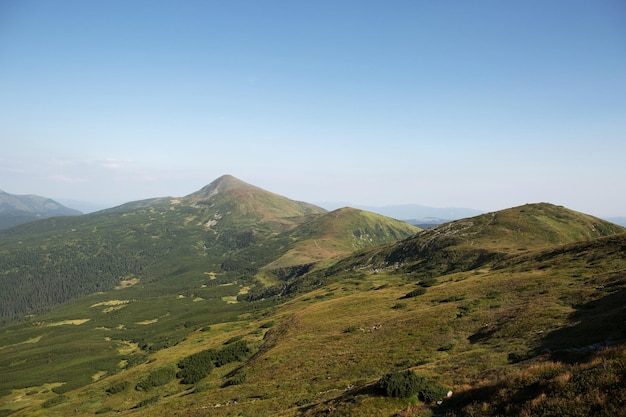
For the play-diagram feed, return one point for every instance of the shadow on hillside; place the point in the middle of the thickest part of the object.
(597, 323)
(341, 404)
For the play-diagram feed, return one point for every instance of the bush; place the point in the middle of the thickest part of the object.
(233, 352)
(351, 329)
(196, 367)
(119, 387)
(427, 282)
(54, 401)
(400, 384)
(156, 378)
(238, 379)
(233, 339)
(415, 292)
(407, 384)
(148, 401)
(432, 392)
(447, 347)
(199, 365)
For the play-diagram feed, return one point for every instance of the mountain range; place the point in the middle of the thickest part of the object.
(20, 209)
(414, 213)
(237, 301)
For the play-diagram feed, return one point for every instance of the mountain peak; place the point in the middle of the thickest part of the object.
(221, 184)
(19, 209)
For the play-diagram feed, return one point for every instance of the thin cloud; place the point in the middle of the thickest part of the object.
(114, 164)
(67, 179)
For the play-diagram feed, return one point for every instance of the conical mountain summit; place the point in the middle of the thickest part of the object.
(224, 183)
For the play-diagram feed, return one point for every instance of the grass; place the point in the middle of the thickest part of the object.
(499, 335)
(308, 354)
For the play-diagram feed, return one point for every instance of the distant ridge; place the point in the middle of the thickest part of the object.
(230, 228)
(414, 213)
(472, 242)
(20, 209)
(340, 232)
(309, 310)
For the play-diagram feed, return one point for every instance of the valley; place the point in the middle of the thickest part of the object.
(234, 301)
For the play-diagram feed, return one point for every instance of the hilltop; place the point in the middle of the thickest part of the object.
(339, 233)
(20, 209)
(227, 307)
(476, 241)
(229, 228)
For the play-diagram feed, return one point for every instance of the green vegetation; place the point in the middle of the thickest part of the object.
(221, 298)
(407, 384)
(156, 378)
(54, 401)
(415, 292)
(119, 387)
(198, 366)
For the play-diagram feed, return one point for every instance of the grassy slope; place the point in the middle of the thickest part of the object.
(474, 331)
(154, 239)
(471, 243)
(181, 286)
(327, 348)
(340, 233)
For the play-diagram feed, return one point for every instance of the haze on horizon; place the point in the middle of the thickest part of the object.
(485, 105)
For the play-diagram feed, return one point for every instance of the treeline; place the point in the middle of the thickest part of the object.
(35, 278)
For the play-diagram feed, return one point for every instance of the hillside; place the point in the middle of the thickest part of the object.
(478, 241)
(52, 261)
(20, 209)
(503, 334)
(339, 233)
(147, 274)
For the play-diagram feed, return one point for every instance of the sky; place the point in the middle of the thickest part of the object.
(481, 104)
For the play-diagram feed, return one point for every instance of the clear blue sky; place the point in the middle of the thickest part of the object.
(481, 104)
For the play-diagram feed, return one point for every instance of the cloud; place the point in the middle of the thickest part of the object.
(68, 179)
(114, 164)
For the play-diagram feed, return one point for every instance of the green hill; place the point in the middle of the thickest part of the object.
(477, 241)
(516, 312)
(52, 261)
(20, 209)
(338, 233)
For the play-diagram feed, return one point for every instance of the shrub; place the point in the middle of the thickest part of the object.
(199, 365)
(196, 366)
(233, 352)
(119, 387)
(156, 378)
(432, 392)
(233, 339)
(407, 384)
(400, 384)
(71, 385)
(427, 282)
(148, 401)
(54, 401)
(415, 292)
(238, 379)
(446, 347)
(351, 329)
